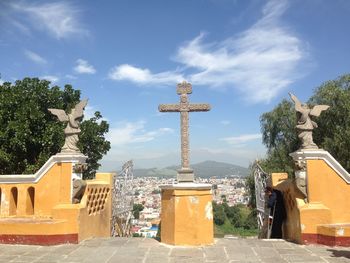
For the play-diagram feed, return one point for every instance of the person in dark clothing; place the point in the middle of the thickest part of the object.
(275, 201)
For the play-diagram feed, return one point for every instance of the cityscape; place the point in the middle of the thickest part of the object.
(148, 194)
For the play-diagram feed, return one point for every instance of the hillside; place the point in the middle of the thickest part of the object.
(205, 169)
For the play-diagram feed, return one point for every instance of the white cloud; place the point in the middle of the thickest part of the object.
(143, 76)
(59, 19)
(134, 132)
(51, 78)
(1, 82)
(225, 122)
(259, 62)
(35, 57)
(242, 138)
(68, 76)
(18, 25)
(83, 67)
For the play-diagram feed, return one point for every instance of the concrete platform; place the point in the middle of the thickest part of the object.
(142, 250)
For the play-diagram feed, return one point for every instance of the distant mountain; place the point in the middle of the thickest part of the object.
(155, 172)
(205, 169)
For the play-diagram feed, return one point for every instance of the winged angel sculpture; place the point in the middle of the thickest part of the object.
(72, 130)
(305, 124)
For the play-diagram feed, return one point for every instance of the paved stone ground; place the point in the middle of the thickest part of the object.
(142, 250)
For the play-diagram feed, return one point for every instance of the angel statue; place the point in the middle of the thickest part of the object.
(72, 130)
(305, 124)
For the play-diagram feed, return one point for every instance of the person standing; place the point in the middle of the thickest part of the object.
(277, 210)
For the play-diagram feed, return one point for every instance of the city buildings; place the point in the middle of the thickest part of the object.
(147, 192)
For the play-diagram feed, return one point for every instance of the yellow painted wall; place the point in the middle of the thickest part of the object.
(168, 217)
(52, 189)
(97, 197)
(327, 187)
(187, 217)
(326, 205)
(327, 195)
(277, 178)
(53, 212)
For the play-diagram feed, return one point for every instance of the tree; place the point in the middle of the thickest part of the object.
(251, 221)
(219, 214)
(332, 134)
(29, 134)
(223, 198)
(250, 187)
(233, 214)
(92, 142)
(136, 209)
(280, 137)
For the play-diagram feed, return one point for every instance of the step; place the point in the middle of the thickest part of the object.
(334, 234)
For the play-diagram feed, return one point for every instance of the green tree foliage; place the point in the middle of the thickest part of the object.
(29, 134)
(234, 219)
(251, 221)
(223, 198)
(332, 134)
(158, 235)
(136, 209)
(219, 214)
(280, 137)
(92, 142)
(250, 188)
(234, 215)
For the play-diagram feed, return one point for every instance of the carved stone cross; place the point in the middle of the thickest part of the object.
(185, 174)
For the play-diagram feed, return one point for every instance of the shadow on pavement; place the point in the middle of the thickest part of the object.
(340, 253)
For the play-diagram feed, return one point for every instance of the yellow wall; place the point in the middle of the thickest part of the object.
(326, 210)
(277, 178)
(95, 214)
(54, 213)
(327, 187)
(52, 189)
(187, 217)
(327, 195)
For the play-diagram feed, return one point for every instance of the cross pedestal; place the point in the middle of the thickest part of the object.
(187, 214)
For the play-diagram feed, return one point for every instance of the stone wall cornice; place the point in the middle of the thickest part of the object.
(320, 154)
(33, 178)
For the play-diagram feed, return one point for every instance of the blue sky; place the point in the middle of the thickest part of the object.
(242, 57)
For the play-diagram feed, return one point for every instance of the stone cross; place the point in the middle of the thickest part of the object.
(185, 174)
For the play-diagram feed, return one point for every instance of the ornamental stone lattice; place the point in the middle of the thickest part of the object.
(185, 174)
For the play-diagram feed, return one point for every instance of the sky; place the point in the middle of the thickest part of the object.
(126, 57)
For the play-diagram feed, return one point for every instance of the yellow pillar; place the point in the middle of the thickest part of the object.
(187, 214)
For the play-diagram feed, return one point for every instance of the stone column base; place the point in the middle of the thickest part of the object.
(185, 175)
(187, 214)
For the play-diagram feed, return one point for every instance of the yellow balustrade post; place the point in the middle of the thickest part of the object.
(187, 214)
